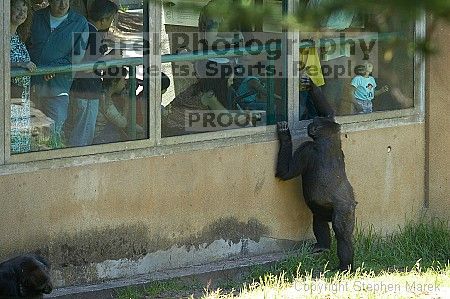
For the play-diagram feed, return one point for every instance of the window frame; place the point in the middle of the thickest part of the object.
(286, 5)
(92, 149)
(156, 145)
(4, 78)
(413, 114)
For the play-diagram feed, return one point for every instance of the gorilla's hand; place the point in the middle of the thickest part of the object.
(284, 134)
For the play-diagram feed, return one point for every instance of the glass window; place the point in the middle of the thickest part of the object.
(223, 67)
(225, 72)
(78, 80)
(358, 60)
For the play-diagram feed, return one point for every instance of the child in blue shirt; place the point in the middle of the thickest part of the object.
(363, 89)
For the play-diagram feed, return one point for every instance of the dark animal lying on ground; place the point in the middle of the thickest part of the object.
(326, 189)
(25, 276)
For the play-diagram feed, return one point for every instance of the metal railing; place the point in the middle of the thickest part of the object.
(133, 62)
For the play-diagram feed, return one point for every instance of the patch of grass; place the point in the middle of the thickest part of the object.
(410, 260)
(428, 242)
(155, 289)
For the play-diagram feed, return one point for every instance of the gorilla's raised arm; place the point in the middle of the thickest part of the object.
(323, 108)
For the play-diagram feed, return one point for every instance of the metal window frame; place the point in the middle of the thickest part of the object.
(4, 77)
(242, 132)
(93, 149)
(379, 119)
(415, 114)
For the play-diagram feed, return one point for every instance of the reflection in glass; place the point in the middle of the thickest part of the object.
(80, 108)
(226, 68)
(363, 61)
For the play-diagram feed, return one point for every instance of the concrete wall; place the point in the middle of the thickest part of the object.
(438, 126)
(386, 168)
(110, 219)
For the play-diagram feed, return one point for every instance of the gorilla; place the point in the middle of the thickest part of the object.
(25, 276)
(326, 189)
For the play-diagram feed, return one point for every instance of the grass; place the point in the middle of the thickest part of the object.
(413, 262)
(416, 283)
(154, 289)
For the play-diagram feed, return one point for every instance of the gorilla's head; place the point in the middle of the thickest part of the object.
(323, 127)
(35, 276)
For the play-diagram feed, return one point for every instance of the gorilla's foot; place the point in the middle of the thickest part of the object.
(345, 269)
(317, 249)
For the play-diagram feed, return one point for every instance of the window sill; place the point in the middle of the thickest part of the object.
(75, 157)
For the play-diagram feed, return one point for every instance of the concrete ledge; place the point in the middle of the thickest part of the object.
(106, 289)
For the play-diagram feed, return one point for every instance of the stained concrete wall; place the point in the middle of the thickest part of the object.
(438, 126)
(111, 219)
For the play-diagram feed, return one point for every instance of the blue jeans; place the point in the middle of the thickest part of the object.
(56, 108)
(364, 106)
(84, 123)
